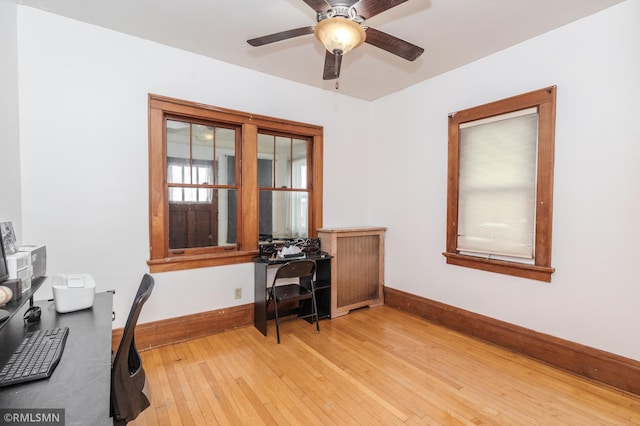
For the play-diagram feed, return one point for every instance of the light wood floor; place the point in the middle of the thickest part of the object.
(373, 366)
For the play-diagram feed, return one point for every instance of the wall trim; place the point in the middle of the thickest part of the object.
(604, 367)
(179, 329)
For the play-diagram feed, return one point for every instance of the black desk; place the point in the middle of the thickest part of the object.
(260, 284)
(81, 382)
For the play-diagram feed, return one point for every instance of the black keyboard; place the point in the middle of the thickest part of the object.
(36, 357)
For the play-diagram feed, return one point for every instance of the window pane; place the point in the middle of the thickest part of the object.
(284, 214)
(202, 154)
(178, 148)
(225, 150)
(283, 162)
(227, 217)
(497, 187)
(266, 145)
(202, 223)
(299, 166)
(203, 174)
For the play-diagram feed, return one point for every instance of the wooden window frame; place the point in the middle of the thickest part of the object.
(161, 259)
(545, 101)
(273, 188)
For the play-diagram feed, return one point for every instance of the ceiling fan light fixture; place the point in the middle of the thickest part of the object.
(340, 35)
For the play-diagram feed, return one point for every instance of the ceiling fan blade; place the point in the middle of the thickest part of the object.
(370, 8)
(332, 63)
(283, 35)
(318, 5)
(392, 44)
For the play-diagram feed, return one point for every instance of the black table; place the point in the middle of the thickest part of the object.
(260, 285)
(81, 382)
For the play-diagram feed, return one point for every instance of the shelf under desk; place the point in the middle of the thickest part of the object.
(81, 383)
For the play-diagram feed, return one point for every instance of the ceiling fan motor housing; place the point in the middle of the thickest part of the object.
(348, 12)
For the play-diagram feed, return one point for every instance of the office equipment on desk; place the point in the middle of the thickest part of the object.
(130, 392)
(19, 265)
(80, 384)
(36, 357)
(73, 292)
(300, 292)
(25, 265)
(289, 248)
(33, 314)
(38, 254)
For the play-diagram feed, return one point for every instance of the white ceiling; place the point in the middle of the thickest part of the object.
(452, 32)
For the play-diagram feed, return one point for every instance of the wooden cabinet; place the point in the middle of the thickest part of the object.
(357, 273)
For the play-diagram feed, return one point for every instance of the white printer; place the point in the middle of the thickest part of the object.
(27, 264)
(73, 292)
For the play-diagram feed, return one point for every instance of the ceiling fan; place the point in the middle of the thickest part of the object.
(340, 29)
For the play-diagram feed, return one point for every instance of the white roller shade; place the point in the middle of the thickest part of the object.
(497, 185)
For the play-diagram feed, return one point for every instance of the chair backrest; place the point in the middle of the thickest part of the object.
(296, 269)
(130, 393)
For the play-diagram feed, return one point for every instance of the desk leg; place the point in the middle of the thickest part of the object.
(259, 297)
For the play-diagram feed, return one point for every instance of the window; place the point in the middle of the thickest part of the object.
(201, 184)
(500, 186)
(284, 190)
(221, 179)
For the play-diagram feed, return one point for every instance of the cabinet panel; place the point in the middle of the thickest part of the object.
(358, 267)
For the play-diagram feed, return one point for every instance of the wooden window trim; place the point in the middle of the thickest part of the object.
(545, 101)
(161, 260)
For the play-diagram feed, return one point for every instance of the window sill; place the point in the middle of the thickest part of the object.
(180, 263)
(534, 272)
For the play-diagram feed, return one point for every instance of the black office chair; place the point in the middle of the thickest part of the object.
(304, 290)
(130, 392)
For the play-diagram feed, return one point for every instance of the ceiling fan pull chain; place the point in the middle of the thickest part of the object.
(338, 61)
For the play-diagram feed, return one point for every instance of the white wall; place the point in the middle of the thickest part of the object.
(10, 200)
(594, 296)
(83, 122)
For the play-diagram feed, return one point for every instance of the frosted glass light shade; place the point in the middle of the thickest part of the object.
(339, 34)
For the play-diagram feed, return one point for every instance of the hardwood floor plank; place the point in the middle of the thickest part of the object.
(374, 366)
(236, 409)
(179, 386)
(165, 402)
(216, 398)
(152, 418)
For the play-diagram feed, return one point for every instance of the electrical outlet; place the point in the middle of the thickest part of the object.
(237, 293)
